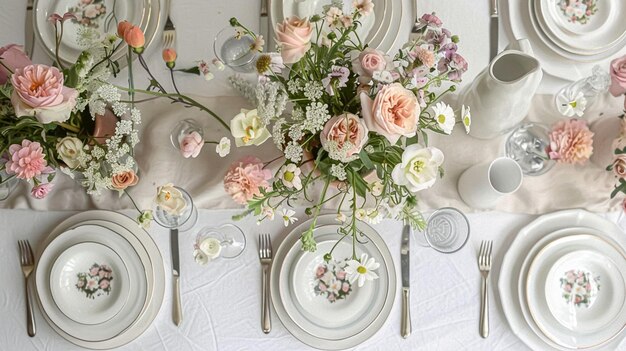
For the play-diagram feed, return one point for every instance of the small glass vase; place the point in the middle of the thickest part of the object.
(234, 52)
(184, 221)
(184, 128)
(528, 146)
(227, 241)
(591, 87)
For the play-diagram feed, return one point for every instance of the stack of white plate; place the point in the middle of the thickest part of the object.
(563, 283)
(146, 14)
(323, 316)
(100, 279)
(386, 29)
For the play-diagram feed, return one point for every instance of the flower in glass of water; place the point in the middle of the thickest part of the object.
(570, 104)
(362, 270)
(288, 216)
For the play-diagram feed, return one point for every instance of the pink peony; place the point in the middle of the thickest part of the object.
(191, 145)
(39, 92)
(245, 177)
(13, 57)
(293, 36)
(345, 128)
(40, 191)
(393, 113)
(570, 142)
(370, 61)
(26, 161)
(618, 76)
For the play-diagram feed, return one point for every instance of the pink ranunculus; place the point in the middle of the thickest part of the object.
(26, 161)
(345, 128)
(191, 145)
(369, 61)
(245, 177)
(571, 141)
(41, 191)
(39, 92)
(14, 57)
(619, 165)
(618, 76)
(293, 36)
(393, 113)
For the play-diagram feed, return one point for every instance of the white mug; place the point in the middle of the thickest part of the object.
(480, 186)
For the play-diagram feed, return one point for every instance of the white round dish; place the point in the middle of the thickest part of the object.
(303, 335)
(326, 317)
(589, 324)
(509, 274)
(89, 283)
(142, 243)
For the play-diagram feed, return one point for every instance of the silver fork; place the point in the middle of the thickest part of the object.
(265, 254)
(169, 31)
(28, 263)
(484, 264)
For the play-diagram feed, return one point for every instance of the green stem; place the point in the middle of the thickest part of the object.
(69, 127)
(132, 200)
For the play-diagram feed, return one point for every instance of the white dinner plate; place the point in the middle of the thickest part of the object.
(592, 311)
(142, 243)
(291, 240)
(509, 274)
(314, 305)
(90, 283)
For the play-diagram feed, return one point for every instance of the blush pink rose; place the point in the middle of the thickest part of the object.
(123, 180)
(619, 166)
(39, 92)
(191, 145)
(14, 57)
(345, 128)
(294, 38)
(393, 113)
(26, 161)
(245, 178)
(618, 76)
(41, 191)
(369, 61)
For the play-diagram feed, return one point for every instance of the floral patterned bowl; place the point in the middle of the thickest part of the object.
(89, 283)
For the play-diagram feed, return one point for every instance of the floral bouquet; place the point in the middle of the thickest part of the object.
(349, 117)
(618, 89)
(68, 119)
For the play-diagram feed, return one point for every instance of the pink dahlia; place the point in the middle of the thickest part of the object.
(571, 142)
(245, 178)
(26, 161)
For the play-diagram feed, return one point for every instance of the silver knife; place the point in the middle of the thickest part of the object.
(493, 29)
(177, 311)
(264, 24)
(405, 264)
(29, 39)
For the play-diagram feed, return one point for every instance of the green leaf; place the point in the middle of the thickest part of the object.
(359, 184)
(620, 188)
(366, 160)
(412, 140)
(190, 70)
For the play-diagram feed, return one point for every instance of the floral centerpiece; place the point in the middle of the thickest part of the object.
(347, 116)
(618, 166)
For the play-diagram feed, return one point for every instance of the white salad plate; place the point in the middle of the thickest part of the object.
(301, 301)
(151, 266)
(521, 246)
(306, 294)
(89, 283)
(575, 291)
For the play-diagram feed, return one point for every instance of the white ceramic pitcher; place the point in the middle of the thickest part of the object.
(501, 94)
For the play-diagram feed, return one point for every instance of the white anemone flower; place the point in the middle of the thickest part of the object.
(362, 270)
(570, 104)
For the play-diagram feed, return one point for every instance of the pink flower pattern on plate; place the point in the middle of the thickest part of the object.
(330, 281)
(96, 281)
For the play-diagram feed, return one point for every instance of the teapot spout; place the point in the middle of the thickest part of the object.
(512, 67)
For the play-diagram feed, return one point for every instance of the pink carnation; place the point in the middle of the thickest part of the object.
(41, 191)
(26, 161)
(571, 142)
(245, 178)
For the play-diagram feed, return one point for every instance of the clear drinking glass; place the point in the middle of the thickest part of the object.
(447, 231)
(226, 241)
(528, 145)
(184, 128)
(184, 221)
(234, 52)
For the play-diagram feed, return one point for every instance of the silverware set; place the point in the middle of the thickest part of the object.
(27, 261)
(484, 265)
(265, 255)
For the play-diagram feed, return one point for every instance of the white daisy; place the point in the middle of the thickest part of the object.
(466, 118)
(362, 271)
(444, 115)
(288, 217)
(290, 176)
(223, 148)
(569, 105)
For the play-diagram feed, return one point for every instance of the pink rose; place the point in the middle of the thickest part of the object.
(191, 145)
(393, 113)
(123, 180)
(40, 191)
(341, 275)
(245, 177)
(94, 270)
(26, 161)
(619, 165)
(13, 57)
(345, 287)
(104, 284)
(370, 61)
(342, 129)
(618, 76)
(294, 38)
(319, 272)
(39, 92)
